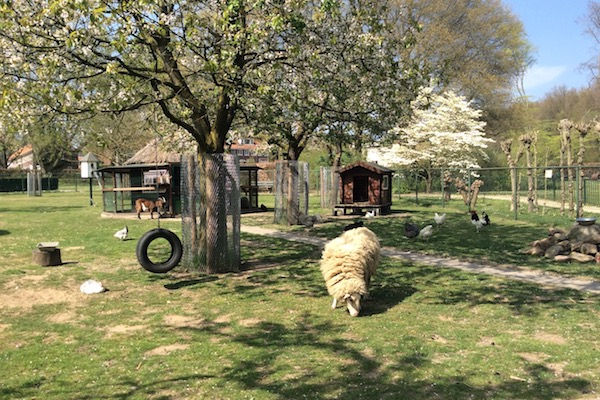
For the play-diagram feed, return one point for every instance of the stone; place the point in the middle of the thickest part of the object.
(580, 257)
(565, 243)
(585, 234)
(559, 236)
(575, 246)
(545, 244)
(589, 248)
(537, 251)
(552, 231)
(562, 258)
(554, 251)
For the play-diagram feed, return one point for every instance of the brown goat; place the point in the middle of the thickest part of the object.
(143, 205)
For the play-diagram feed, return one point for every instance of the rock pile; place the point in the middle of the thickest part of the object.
(579, 244)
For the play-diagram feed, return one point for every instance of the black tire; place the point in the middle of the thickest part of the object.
(141, 250)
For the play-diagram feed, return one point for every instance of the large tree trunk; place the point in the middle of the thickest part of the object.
(210, 196)
(527, 141)
(506, 147)
(428, 180)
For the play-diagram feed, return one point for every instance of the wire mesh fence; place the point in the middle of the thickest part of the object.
(210, 191)
(536, 190)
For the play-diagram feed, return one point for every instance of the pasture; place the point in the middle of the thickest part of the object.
(268, 332)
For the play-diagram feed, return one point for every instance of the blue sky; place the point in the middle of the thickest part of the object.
(556, 29)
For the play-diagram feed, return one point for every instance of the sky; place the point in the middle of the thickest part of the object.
(556, 30)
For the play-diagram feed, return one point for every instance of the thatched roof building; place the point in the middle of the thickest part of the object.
(154, 153)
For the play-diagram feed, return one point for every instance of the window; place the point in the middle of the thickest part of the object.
(385, 183)
(154, 176)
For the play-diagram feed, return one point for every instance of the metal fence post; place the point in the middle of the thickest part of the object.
(416, 187)
(578, 206)
(515, 196)
(442, 187)
(469, 188)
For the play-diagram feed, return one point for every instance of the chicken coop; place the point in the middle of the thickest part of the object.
(365, 186)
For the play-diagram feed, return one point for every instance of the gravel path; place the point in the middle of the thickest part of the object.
(500, 270)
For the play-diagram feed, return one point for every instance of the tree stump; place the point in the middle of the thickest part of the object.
(47, 257)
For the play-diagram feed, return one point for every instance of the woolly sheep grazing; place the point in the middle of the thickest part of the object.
(348, 263)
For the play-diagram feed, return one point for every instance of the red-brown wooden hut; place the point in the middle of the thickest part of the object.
(367, 186)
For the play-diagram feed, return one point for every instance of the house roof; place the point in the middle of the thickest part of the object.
(153, 154)
(22, 152)
(129, 167)
(89, 157)
(367, 165)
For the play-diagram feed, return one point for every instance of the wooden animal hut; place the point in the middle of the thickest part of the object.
(365, 186)
(153, 173)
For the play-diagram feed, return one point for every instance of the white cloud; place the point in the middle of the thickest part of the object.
(539, 75)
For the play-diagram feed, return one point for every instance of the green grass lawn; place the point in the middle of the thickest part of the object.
(268, 332)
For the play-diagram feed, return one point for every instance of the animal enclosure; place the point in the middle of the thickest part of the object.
(365, 185)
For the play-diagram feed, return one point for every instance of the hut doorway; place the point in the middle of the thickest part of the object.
(360, 189)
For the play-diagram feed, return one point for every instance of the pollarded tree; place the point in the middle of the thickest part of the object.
(445, 132)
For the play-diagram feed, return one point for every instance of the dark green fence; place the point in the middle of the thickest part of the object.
(20, 184)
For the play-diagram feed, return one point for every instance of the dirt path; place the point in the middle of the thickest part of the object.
(500, 270)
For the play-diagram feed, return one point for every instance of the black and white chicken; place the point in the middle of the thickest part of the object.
(122, 234)
(479, 222)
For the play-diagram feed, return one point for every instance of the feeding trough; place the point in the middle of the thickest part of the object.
(586, 221)
(47, 254)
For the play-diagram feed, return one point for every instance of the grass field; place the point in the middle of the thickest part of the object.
(268, 332)
(499, 243)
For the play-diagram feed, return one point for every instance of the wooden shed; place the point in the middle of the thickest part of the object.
(153, 173)
(365, 186)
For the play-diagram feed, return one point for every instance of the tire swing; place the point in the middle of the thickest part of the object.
(162, 267)
(141, 250)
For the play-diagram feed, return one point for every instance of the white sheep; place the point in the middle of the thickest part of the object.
(348, 263)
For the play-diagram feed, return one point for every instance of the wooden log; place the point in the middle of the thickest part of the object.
(47, 257)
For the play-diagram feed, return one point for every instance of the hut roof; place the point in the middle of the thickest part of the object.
(152, 153)
(367, 165)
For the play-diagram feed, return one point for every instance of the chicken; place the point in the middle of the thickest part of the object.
(486, 219)
(122, 234)
(411, 230)
(370, 214)
(479, 223)
(439, 219)
(426, 232)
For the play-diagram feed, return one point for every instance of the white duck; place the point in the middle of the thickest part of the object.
(426, 232)
(122, 234)
(370, 214)
(439, 219)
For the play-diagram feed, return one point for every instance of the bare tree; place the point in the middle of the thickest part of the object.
(512, 162)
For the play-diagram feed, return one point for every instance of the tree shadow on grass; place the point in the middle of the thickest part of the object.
(352, 373)
(3, 232)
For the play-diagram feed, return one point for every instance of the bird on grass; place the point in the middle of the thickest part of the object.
(370, 214)
(479, 222)
(122, 234)
(426, 232)
(411, 230)
(439, 219)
